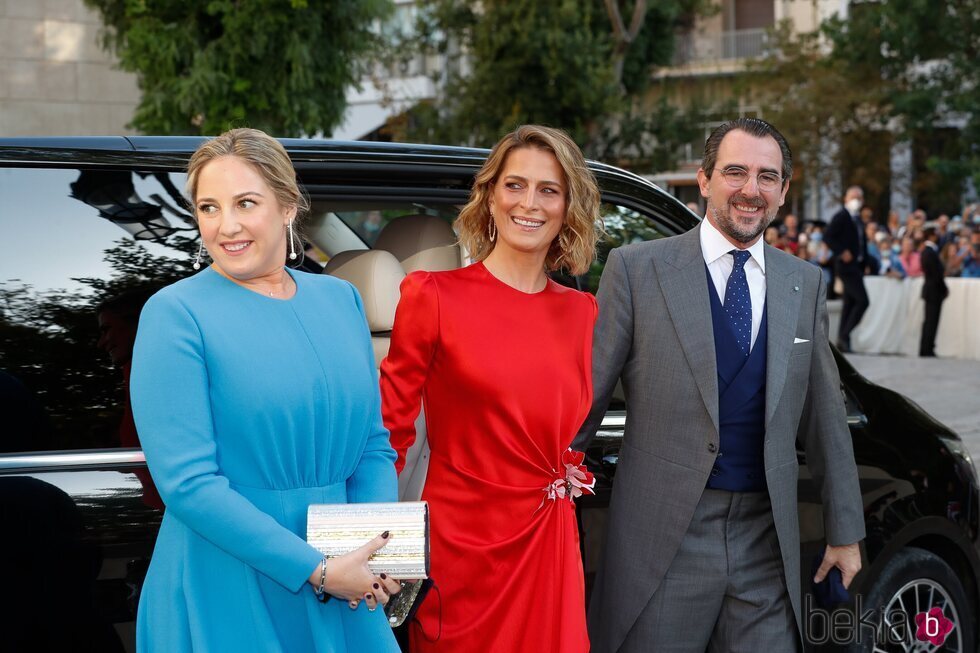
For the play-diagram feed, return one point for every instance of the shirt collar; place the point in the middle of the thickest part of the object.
(714, 245)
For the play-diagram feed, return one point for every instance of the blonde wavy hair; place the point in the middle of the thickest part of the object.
(574, 247)
(264, 153)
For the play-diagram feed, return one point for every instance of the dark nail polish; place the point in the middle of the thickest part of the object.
(385, 535)
(376, 586)
(384, 576)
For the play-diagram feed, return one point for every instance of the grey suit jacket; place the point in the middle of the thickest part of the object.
(655, 332)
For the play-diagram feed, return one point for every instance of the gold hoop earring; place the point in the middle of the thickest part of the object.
(491, 228)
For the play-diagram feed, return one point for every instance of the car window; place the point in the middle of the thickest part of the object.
(367, 222)
(623, 226)
(81, 251)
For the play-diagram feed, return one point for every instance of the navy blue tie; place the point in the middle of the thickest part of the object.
(738, 302)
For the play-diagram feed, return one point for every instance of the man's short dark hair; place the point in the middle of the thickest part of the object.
(754, 127)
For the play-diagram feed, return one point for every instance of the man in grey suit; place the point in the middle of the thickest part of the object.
(721, 345)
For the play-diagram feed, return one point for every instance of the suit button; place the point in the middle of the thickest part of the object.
(712, 447)
(714, 471)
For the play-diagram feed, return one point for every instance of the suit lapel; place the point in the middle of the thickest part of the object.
(783, 292)
(685, 286)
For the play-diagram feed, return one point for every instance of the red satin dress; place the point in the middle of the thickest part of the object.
(506, 379)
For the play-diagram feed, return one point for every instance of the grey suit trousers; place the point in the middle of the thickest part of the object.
(724, 591)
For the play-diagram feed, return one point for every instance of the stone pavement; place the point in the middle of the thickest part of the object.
(948, 389)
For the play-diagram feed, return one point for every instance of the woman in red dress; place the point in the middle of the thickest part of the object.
(501, 357)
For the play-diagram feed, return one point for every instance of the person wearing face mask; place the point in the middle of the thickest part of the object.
(846, 238)
(891, 266)
(819, 254)
(971, 262)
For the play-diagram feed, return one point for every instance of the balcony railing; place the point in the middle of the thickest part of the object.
(692, 48)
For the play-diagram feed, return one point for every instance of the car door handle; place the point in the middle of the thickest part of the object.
(612, 427)
(860, 420)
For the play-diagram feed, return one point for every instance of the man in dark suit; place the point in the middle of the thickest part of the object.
(934, 290)
(721, 345)
(846, 238)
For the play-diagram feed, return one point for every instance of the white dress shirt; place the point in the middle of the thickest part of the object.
(715, 248)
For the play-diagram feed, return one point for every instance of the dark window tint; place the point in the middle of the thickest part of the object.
(623, 226)
(81, 250)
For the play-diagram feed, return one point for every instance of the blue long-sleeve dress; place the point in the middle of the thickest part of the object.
(249, 409)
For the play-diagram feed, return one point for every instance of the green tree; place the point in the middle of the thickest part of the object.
(904, 68)
(582, 65)
(278, 65)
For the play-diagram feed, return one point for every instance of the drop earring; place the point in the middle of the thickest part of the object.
(491, 228)
(292, 245)
(197, 259)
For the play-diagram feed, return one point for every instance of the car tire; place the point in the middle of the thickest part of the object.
(912, 572)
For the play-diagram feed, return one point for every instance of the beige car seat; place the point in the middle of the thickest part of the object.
(377, 275)
(421, 242)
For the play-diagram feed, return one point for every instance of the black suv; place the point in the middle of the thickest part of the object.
(89, 227)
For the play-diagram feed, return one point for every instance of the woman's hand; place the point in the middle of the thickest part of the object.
(349, 578)
(387, 588)
(382, 590)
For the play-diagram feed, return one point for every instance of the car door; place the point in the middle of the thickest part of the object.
(82, 248)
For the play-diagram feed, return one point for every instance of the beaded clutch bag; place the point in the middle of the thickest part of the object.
(336, 529)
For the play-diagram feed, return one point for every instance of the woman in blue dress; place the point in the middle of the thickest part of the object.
(254, 394)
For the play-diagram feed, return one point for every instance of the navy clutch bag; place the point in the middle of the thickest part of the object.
(830, 591)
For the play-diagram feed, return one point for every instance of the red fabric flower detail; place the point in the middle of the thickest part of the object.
(574, 482)
(572, 457)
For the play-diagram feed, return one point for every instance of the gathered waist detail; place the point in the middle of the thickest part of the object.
(289, 506)
(250, 490)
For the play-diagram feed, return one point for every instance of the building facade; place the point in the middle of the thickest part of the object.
(55, 78)
(708, 59)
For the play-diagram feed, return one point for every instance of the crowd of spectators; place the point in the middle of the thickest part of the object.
(894, 245)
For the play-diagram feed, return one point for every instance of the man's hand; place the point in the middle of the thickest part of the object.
(847, 558)
(846, 256)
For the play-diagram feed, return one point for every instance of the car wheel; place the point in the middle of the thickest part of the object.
(912, 583)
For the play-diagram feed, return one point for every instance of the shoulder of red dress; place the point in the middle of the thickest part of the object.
(572, 295)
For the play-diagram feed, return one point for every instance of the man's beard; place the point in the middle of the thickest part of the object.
(736, 230)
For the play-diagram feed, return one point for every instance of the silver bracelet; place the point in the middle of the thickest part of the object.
(320, 591)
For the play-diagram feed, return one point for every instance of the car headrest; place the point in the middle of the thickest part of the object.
(421, 242)
(377, 275)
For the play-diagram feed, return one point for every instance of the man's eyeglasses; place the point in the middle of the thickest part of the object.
(737, 177)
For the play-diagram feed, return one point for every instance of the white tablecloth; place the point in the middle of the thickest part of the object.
(893, 321)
